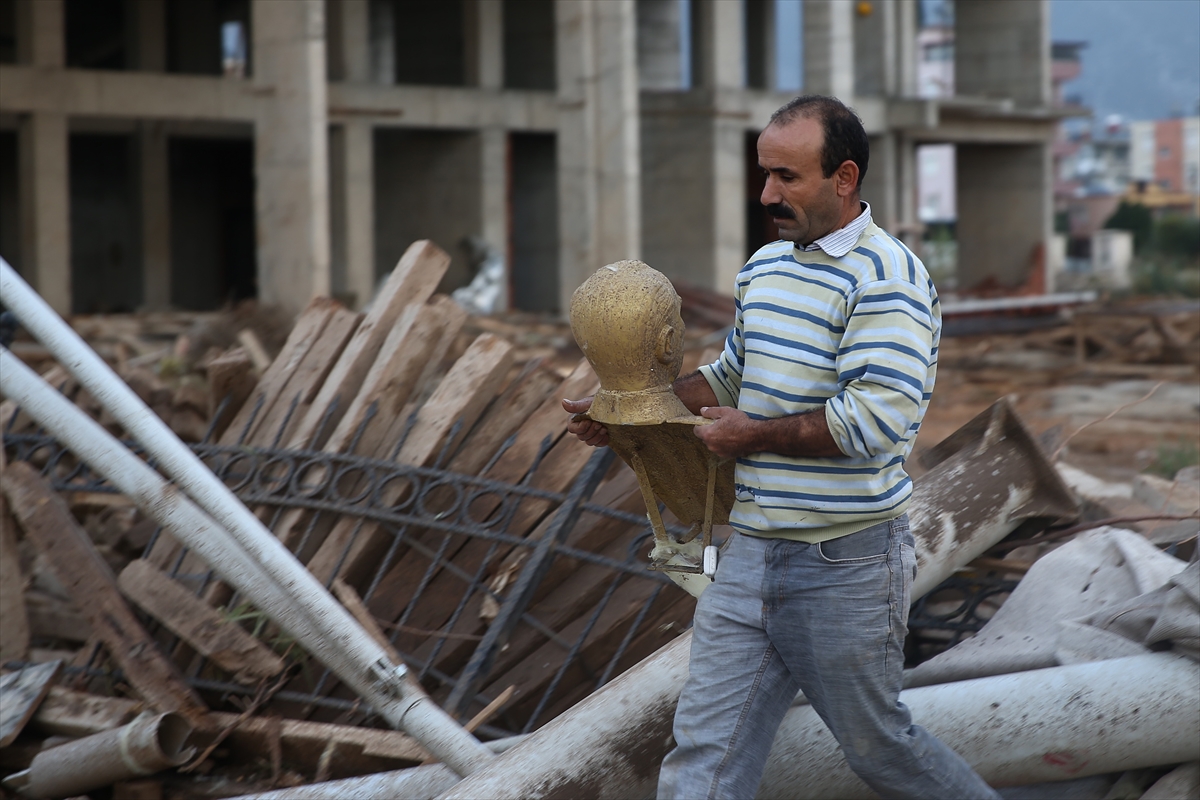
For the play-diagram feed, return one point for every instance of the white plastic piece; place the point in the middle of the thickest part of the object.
(710, 561)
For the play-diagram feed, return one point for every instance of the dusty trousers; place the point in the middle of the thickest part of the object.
(827, 619)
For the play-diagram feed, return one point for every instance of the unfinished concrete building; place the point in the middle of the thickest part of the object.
(182, 153)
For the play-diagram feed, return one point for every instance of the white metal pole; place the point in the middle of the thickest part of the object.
(181, 464)
(357, 659)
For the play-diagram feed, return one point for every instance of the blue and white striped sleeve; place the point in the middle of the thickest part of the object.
(882, 365)
(725, 374)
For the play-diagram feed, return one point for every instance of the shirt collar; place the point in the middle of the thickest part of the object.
(838, 243)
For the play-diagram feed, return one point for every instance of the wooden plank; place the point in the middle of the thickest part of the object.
(194, 621)
(396, 374)
(379, 405)
(533, 674)
(66, 712)
(548, 421)
(14, 623)
(304, 334)
(503, 419)
(568, 589)
(303, 384)
(230, 375)
(461, 396)
(88, 578)
(441, 596)
(411, 283)
(254, 349)
(21, 693)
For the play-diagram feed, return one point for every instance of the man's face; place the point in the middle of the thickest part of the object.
(803, 202)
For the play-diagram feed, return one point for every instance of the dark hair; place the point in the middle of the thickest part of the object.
(845, 137)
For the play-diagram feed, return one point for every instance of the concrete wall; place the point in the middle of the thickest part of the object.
(1002, 50)
(677, 189)
(426, 187)
(1004, 213)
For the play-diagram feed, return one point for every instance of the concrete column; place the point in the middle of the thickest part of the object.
(382, 55)
(660, 43)
(906, 47)
(719, 43)
(291, 160)
(598, 150)
(150, 31)
(156, 215)
(873, 49)
(880, 185)
(352, 210)
(1004, 213)
(354, 45)
(45, 212)
(1003, 50)
(907, 225)
(829, 48)
(41, 39)
(484, 21)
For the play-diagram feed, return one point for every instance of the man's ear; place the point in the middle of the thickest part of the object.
(664, 349)
(846, 178)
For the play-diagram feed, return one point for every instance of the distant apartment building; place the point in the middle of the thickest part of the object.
(1166, 153)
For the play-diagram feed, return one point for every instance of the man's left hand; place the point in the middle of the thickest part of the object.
(730, 433)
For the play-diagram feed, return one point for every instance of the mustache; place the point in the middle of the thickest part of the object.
(780, 211)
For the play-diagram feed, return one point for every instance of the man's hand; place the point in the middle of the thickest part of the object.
(589, 432)
(729, 434)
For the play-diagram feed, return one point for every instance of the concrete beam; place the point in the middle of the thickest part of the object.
(45, 198)
(79, 92)
(148, 95)
(598, 140)
(291, 159)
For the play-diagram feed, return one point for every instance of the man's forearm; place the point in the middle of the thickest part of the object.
(695, 392)
(805, 435)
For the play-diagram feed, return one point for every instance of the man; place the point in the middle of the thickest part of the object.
(818, 395)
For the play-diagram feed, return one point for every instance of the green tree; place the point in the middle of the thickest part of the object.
(1135, 218)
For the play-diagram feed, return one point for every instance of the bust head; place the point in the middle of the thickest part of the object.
(626, 320)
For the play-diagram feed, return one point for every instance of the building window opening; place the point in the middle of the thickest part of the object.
(212, 222)
(233, 49)
(96, 34)
(529, 59)
(430, 42)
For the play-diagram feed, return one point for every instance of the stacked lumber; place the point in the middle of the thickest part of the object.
(411, 382)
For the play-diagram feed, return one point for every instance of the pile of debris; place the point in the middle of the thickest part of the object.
(414, 460)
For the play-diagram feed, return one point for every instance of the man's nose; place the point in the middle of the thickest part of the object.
(770, 193)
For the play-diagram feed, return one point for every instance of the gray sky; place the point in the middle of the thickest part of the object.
(1143, 56)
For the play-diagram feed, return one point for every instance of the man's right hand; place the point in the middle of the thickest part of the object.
(589, 432)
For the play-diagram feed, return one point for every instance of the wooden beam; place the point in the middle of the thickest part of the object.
(21, 693)
(88, 578)
(194, 621)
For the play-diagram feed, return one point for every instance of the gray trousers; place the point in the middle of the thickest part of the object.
(829, 620)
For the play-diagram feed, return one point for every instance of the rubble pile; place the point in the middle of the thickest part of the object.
(414, 459)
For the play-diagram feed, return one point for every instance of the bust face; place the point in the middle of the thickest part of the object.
(626, 320)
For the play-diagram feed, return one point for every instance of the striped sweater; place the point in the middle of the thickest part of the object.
(857, 334)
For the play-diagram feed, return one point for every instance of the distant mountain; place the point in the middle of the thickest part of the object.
(1143, 56)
